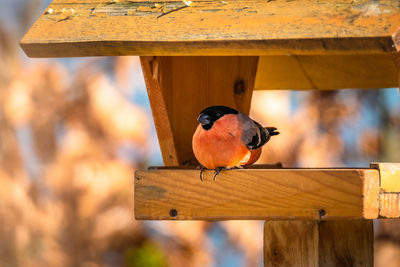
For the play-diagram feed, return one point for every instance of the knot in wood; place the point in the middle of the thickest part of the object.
(239, 87)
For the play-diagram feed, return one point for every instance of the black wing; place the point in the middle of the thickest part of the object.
(261, 136)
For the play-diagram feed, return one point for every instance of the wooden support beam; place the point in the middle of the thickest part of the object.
(257, 194)
(180, 87)
(71, 28)
(318, 243)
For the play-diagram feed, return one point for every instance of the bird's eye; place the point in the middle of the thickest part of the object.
(219, 114)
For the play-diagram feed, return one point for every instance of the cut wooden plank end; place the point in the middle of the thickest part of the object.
(389, 176)
(371, 192)
(389, 205)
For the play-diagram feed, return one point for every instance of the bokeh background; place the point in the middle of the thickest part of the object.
(72, 132)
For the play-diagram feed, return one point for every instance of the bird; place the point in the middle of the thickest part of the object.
(226, 139)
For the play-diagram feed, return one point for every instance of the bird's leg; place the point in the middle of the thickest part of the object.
(217, 171)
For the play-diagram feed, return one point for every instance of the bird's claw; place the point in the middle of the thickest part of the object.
(201, 172)
(217, 171)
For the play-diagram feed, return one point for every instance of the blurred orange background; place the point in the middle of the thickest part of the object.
(72, 132)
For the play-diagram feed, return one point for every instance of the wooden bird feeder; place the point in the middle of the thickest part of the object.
(202, 53)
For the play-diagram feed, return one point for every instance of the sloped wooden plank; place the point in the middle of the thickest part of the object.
(180, 87)
(318, 243)
(160, 110)
(250, 27)
(255, 194)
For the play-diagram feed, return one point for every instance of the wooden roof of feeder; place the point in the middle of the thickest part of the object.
(304, 44)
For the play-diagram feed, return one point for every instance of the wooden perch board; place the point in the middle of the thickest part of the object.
(70, 28)
(262, 194)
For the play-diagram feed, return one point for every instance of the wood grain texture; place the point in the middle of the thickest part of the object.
(318, 243)
(252, 194)
(371, 190)
(251, 27)
(180, 87)
(389, 176)
(389, 205)
(306, 72)
(346, 243)
(291, 243)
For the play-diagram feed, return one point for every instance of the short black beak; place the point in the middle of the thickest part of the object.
(204, 119)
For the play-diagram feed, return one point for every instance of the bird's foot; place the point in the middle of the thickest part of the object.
(217, 171)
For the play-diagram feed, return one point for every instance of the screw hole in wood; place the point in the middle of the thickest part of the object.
(322, 213)
(173, 213)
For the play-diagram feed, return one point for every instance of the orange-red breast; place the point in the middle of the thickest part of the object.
(227, 138)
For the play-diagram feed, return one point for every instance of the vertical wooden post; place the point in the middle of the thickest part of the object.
(318, 243)
(180, 87)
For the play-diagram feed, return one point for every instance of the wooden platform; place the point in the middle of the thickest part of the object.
(264, 194)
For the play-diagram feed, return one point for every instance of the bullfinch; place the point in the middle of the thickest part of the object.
(226, 138)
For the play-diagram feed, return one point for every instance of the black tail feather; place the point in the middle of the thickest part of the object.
(271, 131)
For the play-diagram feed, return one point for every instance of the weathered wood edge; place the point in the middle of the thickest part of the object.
(322, 46)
